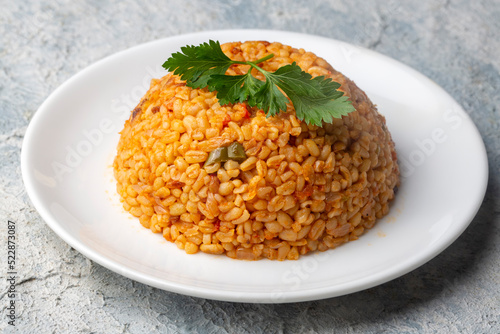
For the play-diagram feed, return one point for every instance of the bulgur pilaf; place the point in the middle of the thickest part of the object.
(301, 188)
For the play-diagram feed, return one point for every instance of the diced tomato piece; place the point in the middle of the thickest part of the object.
(307, 192)
(226, 121)
(246, 113)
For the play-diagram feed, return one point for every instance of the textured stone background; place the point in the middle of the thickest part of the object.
(42, 43)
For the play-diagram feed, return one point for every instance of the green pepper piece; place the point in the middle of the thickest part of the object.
(217, 155)
(236, 152)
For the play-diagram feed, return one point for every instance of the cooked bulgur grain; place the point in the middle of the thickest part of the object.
(301, 188)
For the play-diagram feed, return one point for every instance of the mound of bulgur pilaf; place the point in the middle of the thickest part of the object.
(301, 188)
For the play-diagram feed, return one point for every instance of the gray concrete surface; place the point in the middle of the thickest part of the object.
(42, 43)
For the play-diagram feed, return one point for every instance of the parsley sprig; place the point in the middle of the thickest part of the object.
(315, 100)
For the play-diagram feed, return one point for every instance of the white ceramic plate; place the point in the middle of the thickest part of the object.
(70, 144)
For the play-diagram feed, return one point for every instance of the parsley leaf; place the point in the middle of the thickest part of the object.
(235, 88)
(315, 100)
(197, 64)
